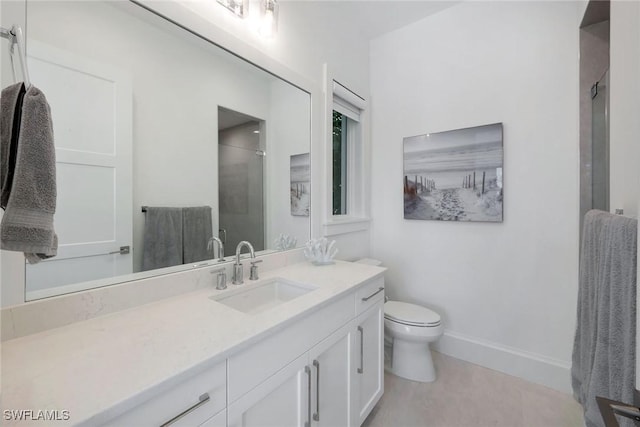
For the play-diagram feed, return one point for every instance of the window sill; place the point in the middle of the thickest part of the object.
(339, 225)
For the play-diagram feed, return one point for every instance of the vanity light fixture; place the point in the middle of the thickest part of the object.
(239, 8)
(268, 18)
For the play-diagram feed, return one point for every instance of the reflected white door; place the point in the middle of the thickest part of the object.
(91, 108)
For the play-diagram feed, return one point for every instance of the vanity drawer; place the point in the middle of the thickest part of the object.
(188, 403)
(369, 294)
(252, 366)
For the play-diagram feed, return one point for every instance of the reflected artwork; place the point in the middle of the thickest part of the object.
(300, 180)
(454, 175)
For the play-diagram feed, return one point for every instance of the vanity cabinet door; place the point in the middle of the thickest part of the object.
(280, 401)
(219, 420)
(369, 369)
(330, 362)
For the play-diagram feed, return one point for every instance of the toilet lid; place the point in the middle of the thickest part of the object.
(410, 314)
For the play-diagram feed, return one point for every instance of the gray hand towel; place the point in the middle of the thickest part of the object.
(604, 346)
(27, 224)
(197, 230)
(162, 245)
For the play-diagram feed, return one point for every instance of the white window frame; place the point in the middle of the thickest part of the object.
(354, 107)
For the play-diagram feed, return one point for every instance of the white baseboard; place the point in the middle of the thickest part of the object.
(532, 367)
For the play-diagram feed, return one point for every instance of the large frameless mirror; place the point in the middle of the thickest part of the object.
(163, 141)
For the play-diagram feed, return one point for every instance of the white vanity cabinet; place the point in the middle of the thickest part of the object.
(331, 379)
(315, 351)
(191, 402)
(369, 382)
(219, 420)
(368, 349)
(323, 385)
(323, 368)
(313, 390)
(282, 400)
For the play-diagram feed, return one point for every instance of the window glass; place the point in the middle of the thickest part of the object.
(340, 123)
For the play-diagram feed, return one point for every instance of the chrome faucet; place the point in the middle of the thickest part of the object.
(238, 272)
(221, 279)
(210, 246)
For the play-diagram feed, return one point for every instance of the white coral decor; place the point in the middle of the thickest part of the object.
(320, 251)
(285, 242)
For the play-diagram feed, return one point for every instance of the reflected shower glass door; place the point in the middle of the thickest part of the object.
(240, 184)
(600, 144)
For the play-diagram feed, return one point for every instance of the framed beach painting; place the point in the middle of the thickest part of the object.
(454, 175)
(300, 176)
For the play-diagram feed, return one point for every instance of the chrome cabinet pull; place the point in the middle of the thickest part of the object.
(380, 289)
(308, 371)
(316, 416)
(204, 398)
(361, 368)
(124, 250)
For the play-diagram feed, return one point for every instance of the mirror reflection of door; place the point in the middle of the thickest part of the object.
(241, 151)
(93, 138)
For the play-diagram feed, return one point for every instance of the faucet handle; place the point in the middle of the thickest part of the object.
(221, 279)
(253, 272)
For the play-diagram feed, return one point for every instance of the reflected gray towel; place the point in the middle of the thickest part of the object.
(196, 232)
(27, 224)
(604, 346)
(162, 245)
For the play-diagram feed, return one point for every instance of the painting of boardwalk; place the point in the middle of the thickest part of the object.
(454, 175)
(300, 176)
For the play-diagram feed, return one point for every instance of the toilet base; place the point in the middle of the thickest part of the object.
(413, 361)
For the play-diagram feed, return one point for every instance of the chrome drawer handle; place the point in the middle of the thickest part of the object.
(361, 368)
(316, 416)
(307, 369)
(380, 289)
(204, 398)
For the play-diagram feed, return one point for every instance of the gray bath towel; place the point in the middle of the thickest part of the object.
(27, 224)
(196, 232)
(162, 245)
(604, 346)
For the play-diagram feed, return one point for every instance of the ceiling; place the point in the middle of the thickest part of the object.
(374, 18)
(229, 118)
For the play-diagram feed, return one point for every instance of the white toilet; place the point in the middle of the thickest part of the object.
(410, 328)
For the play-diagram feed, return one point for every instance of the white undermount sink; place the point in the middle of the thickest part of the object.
(252, 298)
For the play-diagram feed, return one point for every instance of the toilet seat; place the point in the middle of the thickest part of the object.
(410, 314)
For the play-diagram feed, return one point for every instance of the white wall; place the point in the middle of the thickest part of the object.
(309, 35)
(507, 291)
(624, 104)
(285, 143)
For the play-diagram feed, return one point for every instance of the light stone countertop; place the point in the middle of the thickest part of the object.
(100, 368)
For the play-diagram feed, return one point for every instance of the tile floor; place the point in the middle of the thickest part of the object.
(468, 395)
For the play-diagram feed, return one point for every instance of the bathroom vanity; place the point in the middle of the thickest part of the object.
(305, 349)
